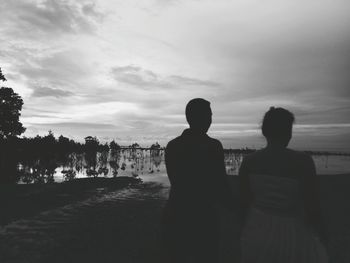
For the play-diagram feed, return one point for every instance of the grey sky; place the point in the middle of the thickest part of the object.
(125, 69)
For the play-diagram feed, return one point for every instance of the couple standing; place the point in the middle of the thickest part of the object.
(278, 200)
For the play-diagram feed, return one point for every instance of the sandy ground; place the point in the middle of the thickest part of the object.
(110, 226)
(121, 223)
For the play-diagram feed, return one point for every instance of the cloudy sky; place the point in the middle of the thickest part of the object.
(125, 69)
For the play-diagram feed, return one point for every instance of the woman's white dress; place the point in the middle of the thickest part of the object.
(275, 229)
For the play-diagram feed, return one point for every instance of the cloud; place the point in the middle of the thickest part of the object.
(140, 77)
(192, 81)
(49, 17)
(50, 92)
(57, 67)
(82, 125)
(135, 75)
(45, 43)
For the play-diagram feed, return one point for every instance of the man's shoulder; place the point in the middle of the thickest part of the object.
(181, 141)
(174, 143)
(215, 143)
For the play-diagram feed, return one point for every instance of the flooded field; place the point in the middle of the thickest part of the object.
(145, 163)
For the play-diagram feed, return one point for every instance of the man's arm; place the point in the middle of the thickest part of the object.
(170, 162)
(226, 196)
(245, 195)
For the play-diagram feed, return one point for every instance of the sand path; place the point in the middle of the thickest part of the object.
(118, 226)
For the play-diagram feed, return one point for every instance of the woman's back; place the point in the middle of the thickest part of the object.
(279, 162)
(275, 187)
(275, 194)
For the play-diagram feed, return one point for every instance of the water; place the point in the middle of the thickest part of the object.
(146, 164)
(332, 164)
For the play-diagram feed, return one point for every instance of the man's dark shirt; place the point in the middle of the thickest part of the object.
(196, 170)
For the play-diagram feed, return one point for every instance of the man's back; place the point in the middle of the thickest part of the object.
(196, 170)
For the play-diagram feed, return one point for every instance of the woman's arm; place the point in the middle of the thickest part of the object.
(312, 200)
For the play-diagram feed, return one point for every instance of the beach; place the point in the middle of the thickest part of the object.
(119, 221)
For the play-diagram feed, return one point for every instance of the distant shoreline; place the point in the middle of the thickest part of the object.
(247, 150)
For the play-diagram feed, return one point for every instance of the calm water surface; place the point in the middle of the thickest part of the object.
(149, 165)
(146, 169)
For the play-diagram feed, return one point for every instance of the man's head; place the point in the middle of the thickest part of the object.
(277, 126)
(198, 115)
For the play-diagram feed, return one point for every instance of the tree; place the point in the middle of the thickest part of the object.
(10, 110)
(114, 146)
(155, 146)
(10, 126)
(134, 145)
(114, 157)
(2, 77)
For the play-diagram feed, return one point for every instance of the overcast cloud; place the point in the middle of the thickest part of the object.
(126, 69)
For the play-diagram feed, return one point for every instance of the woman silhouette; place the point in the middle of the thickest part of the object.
(280, 199)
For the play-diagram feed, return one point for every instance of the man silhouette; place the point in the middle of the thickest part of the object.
(197, 174)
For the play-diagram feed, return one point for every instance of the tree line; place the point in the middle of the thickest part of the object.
(42, 153)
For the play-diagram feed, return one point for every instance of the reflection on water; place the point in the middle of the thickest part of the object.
(332, 164)
(109, 163)
(138, 162)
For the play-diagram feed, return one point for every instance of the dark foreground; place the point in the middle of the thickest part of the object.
(106, 224)
(119, 221)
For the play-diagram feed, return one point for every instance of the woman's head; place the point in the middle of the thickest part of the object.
(277, 126)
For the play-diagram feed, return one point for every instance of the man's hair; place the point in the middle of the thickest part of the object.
(277, 123)
(196, 108)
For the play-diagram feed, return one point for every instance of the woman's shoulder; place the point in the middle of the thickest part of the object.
(298, 155)
(256, 154)
(287, 154)
(251, 157)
